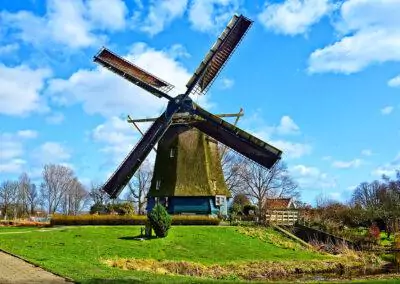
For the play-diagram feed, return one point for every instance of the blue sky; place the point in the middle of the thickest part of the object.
(319, 79)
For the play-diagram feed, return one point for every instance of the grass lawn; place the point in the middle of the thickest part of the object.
(76, 252)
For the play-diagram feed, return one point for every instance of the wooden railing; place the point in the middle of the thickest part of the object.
(282, 217)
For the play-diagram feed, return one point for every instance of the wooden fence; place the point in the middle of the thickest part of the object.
(282, 217)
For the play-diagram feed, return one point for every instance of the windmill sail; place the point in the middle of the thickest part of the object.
(237, 139)
(120, 178)
(133, 73)
(219, 54)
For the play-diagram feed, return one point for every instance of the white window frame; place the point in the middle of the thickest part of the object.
(219, 200)
(158, 184)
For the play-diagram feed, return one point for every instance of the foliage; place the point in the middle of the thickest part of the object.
(98, 208)
(22, 224)
(239, 202)
(249, 207)
(113, 220)
(194, 220)
(124, 208)
(160, 220)
(60, 250)
(374, 234)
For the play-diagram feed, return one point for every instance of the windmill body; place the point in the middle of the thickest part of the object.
(188, 177)
(191, 164)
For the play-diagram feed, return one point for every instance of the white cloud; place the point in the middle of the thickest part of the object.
(29, 134)
(13, 166)
(394, 82)
(72, 23)
(287, 126)
(387, 110)
(294, 17)
(366, 152)
(311, 177)
(101, 91)
(20, 88)
(211, 15)
(8, 48)
(347, 164)
(12, 150)
(327, 158)
(388, 169)
(227, 83)
(107, 14)
(51, 152)
(55, 118)
(292, 150)
(117, 136)
(162, 13)
(371, 36)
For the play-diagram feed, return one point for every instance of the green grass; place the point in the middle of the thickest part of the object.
(76, 252)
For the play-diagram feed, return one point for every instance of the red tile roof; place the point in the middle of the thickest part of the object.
(277, 203)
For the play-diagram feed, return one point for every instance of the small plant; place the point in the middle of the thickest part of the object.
(374, 233)
(160, 220)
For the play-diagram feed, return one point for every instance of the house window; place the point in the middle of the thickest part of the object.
(219, 200)
(158, 183)
(172, 152)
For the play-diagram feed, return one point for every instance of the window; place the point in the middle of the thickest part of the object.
(219, 200)
(172, 152)
(158, 183)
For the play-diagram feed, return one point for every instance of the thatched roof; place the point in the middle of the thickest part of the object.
(195, 169)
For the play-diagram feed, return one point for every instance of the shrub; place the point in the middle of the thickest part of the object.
(82, 220)
(125, 208)
(194, 220)
(374, 233)
(249, 207)
(23, 223)
(113, 220)
(98, 208)
(160, 220)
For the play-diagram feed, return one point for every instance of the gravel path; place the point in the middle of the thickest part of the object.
(14, 270)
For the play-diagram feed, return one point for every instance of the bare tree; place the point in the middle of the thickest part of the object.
(8, 197)
(140, 185)
(33, 198)
(232, 165)
(23, 191)
(76, 198)
(261, 183)
(57, 180)
(98, 195)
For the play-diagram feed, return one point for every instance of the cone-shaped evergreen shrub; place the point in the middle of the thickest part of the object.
(160, 220)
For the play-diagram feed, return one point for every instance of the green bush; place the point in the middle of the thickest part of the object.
(114, 220)
(125, 208)
(160, 220)
(98, 208)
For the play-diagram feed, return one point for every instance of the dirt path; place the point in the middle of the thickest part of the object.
(15, 270)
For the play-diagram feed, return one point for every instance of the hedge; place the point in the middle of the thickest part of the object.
(22, 224)
(114, 220)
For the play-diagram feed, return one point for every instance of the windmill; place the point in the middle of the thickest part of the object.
(188, 176)
(213, 126)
